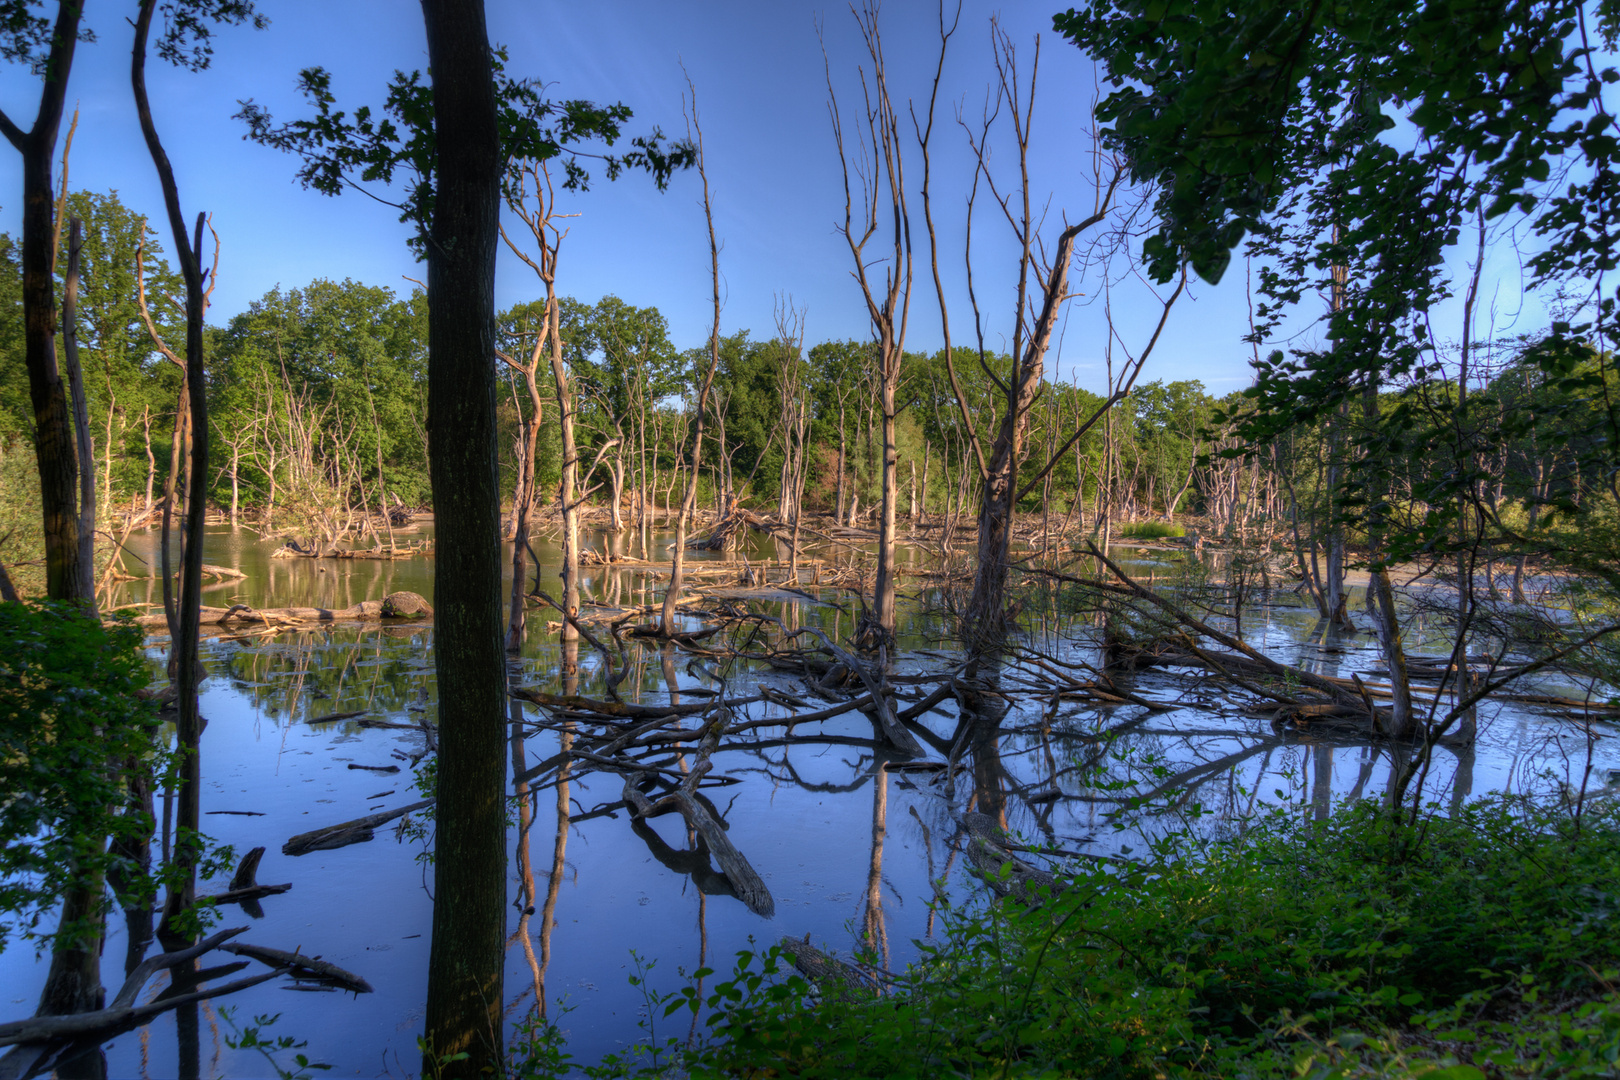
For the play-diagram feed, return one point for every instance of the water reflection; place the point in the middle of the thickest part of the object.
(305, 722)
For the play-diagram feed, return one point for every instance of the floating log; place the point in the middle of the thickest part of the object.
(245, 890)
(348, 832)
(300, 966)
(334, 717)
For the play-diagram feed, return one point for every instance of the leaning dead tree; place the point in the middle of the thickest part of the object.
(878, 171)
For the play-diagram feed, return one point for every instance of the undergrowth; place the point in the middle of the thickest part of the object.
(1483, 946)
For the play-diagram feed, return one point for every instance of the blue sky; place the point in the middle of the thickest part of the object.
(762, 92)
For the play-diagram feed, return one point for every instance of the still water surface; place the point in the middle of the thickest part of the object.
(847, 847)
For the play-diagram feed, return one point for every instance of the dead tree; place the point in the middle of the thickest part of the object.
(880, 174)
(672, 595)
(1042, 290)
(794, 422)
(187, 249)
(538, 217)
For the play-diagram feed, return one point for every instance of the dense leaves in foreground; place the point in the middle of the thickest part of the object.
(71, 727)
(1337, 948)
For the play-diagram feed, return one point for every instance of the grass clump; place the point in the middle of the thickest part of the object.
(1484, 945)
(1150, 530)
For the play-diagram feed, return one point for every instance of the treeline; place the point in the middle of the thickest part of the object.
(318, 402)
(318, 406)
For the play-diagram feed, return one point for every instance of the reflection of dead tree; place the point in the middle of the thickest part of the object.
(874, 925)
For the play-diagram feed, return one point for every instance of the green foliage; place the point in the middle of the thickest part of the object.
(22, 531)
(70, 724)
(313, 389)
(1335, 948)
(1355, 146)
(1150, 530)
(252, 1037)
(340, 151)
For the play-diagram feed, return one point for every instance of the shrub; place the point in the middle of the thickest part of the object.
(1341, 948)
(1150, 530)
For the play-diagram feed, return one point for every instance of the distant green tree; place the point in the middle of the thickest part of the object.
(130, 387)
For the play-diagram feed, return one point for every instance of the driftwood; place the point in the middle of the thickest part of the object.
(301, 967)
(334, 717)
(408, 551)
(348, 832)
(397, 605)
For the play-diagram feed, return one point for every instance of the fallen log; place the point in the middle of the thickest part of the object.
(330, 718)
(835, 978)
(396, 605)
(1007, 875)
(347, 832)
(124, 1012)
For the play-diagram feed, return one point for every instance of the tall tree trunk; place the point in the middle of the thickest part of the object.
(522, 511)
(567, 490)
(464, 996)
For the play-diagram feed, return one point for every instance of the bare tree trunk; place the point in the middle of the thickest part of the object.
(672, 594)
(888, 308)
(187, 665)
(838, 510)
(151, 459)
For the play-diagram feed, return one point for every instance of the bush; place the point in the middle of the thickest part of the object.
(70, 724)
(1328, 949)
(1150, 530)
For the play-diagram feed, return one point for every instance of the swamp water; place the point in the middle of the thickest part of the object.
(847, 847)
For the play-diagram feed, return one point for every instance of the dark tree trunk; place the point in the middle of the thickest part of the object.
(53, 421)
(73, 983)
(464, 998)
